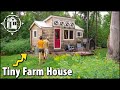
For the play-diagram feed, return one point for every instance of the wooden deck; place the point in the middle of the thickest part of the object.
(82, 53)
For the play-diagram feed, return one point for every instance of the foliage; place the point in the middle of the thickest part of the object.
(81, 23)
(104, 31)
(41, 15)
(3, 32)
(28, 18)
(15, 46)
(103, 25)
(83, 67)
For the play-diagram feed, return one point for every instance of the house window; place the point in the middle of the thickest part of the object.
(79, 34)
(65, 34)
(68, 34)
(34, 33)
(71, 35)
(57, 35)
(15, 23)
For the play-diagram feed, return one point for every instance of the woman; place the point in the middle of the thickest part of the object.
(41, 49)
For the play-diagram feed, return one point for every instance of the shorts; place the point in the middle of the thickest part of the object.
(46, 51)
(41, 50)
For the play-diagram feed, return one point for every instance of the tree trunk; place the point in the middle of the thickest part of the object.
(88, 24)
(114, 40)
(96, 32)
(92, 23)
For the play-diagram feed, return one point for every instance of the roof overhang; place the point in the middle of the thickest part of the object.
(40, 24)
(78, 28)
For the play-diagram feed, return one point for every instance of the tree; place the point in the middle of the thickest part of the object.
(28, 18)
(85, 16)
(104, 31)
(114, 41)
(96, 30)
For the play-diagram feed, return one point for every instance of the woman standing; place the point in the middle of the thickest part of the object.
(41, 49)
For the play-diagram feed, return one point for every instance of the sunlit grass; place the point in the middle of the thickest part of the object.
(83, 67)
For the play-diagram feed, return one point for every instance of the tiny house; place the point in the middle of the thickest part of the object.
(61, 31)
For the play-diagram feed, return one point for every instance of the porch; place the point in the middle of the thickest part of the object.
(81, 53)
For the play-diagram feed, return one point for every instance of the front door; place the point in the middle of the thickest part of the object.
(57, 39)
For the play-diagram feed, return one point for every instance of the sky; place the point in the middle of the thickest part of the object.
(103, 13)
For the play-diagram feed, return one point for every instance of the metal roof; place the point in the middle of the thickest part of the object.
(41, 24)
(78, 28)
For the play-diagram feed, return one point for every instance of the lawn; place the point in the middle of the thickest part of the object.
(83, 67)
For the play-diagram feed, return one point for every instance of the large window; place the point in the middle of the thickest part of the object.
(71, 35)
(79, 34)
(65, 34)
(68, 34)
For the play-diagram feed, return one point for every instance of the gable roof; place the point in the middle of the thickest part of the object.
(51, 16)
(43, 23)
(40, 24)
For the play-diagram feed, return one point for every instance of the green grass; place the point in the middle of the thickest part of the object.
(83, 67)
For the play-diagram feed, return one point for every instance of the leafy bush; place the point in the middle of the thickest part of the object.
(15, 46)
(104, 44)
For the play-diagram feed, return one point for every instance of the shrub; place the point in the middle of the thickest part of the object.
(15, 46)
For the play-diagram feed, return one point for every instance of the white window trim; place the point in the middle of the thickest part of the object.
(77, 34)
(68, 34)
(33, 33)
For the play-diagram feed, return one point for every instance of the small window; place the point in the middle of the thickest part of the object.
(34, 33)
(57, 35)
(14, 23)
(79, 34)
(62, 23)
